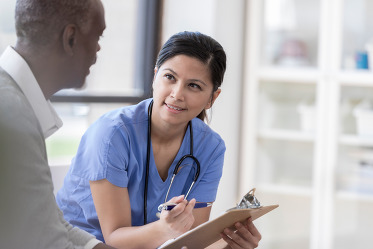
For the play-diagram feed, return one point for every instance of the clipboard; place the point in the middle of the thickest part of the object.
(209, 232)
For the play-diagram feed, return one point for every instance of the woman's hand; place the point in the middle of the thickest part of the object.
(180, 219)
(246, 236)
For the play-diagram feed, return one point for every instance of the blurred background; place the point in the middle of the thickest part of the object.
(295, 110)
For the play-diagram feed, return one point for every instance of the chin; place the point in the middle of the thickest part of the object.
(81, 84)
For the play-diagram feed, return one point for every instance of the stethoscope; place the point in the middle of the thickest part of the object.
(190, 155)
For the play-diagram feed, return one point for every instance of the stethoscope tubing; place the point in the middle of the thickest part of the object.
(190, 155)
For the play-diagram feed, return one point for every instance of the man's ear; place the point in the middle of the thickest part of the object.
(69, 38)
(214, 97)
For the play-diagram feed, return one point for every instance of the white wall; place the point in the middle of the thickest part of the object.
(229, 31)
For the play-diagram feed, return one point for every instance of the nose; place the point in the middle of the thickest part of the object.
(177, 91)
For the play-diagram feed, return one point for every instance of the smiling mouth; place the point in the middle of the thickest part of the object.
(174, 107)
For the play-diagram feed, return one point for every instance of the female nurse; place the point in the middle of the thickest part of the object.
(124, 166)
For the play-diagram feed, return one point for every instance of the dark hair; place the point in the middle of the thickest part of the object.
(201, 47)
(38, 21)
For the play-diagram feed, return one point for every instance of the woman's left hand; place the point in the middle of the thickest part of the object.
(246, 236)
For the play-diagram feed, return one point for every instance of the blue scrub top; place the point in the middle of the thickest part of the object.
(115, 147)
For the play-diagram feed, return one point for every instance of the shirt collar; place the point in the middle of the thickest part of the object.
(18, 69)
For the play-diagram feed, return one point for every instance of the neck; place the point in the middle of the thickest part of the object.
(167, 134)
(42, 66)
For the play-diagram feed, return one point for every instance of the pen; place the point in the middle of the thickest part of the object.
(170, 206)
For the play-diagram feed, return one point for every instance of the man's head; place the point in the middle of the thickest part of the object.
(60, 36)
(38, 20)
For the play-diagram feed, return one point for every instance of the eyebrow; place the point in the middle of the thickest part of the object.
(169, 69)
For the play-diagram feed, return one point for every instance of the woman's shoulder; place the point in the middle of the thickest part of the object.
(129, 113)
(205, 132)
(124, 116)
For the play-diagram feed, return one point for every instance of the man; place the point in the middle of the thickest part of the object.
(57, 42)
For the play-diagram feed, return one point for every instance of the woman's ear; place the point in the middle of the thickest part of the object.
(215, 95)
(69, 38)
(155, 73)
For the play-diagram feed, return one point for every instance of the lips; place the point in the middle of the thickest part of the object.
(176, 108)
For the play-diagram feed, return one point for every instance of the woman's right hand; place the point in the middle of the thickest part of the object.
(113, 208)
(180, 219)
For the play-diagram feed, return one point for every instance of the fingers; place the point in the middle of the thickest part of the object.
(180, 219)
(252, 229)
(235, 239)
(191, 205)
(176, 199)
(246, 235)
(187, 215)
(183, 209)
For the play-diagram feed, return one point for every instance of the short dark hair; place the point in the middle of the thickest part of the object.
(201, 47)
(38, 21)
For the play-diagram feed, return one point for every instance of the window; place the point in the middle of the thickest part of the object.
(121, 76)
(7, 31)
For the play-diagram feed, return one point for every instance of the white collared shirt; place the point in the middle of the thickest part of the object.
(19, 70)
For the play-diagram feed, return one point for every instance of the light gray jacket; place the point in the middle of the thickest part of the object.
(29, 216)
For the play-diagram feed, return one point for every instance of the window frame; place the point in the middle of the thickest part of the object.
(148, 40)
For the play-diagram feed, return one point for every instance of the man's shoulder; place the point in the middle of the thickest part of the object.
(12, 97)
(14, 106)
(8, 87)
(5, 79)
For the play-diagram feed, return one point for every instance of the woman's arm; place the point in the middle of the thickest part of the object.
(114, 213)
(201, 215)
(102, 246)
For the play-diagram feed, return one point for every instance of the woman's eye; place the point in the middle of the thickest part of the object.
(194, 85)
(169, 76)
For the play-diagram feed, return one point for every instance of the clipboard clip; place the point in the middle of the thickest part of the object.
(249, 201)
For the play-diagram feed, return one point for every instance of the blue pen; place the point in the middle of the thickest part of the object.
(170, 206)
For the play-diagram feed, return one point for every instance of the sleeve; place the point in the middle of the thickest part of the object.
(103, 153)
(79, 238)
(206, 187)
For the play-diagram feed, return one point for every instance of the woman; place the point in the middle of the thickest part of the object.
(124, 165)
